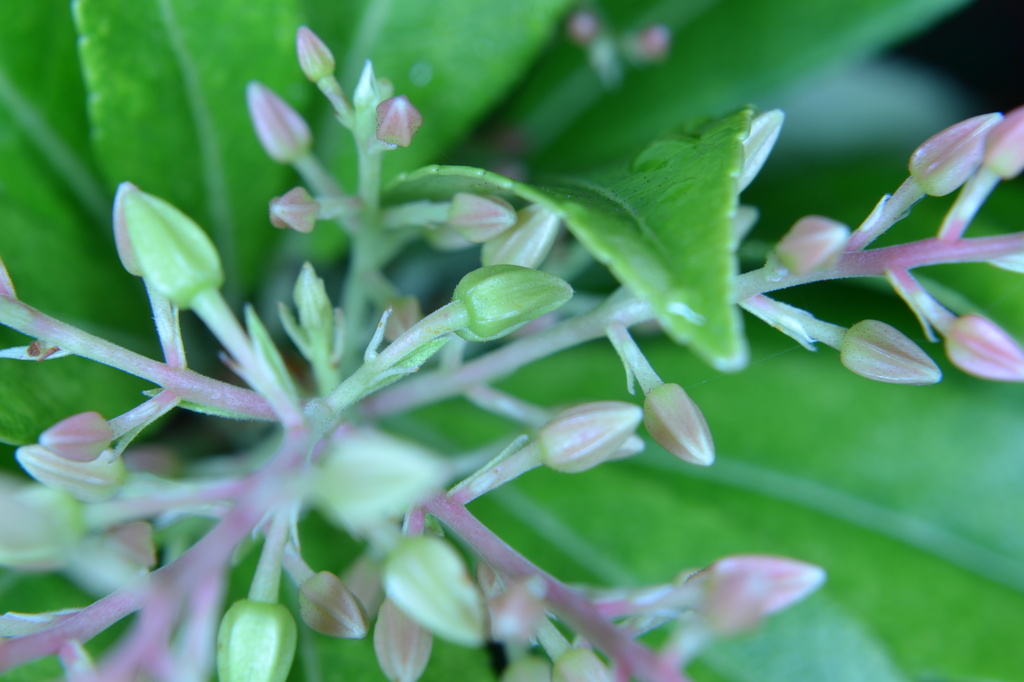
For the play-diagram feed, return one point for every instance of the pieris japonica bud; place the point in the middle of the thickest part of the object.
(584, 436)
(502, 298)
(256, 642)
(315, 58)
(1004, 146)
(813, 242)
(40, 526)
(402, 646)
(281, 130)
(397, 121)
(175, 256)
(295, 209)
(945, 160)
(328, 607)
(527, 243)
(479, 218)
(80, 437)
(741, 590)
(368, 476)
(426, 578)
(980, 347)
(677, 424)
(93, 481)
(879, 352)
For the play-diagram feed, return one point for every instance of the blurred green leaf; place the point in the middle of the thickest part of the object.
(166, 83)
(724, 54)
(55, 240)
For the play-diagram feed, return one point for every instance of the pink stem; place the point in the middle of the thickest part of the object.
(569, 605)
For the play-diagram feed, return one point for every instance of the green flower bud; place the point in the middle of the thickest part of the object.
(502, 298)
(584, 436)
(256, 642)
(40, 526)
(328, 607)
(315, 58)
(402, 646)
(176, 257)
(426, 578)
(93, 481)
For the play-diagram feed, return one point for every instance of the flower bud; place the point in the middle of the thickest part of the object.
(586, 435)
(109, 561)
(879, 352)
(93, 481)
(980, 347)
(527, 669)
(367, 93)
(368, 476)
(121, 239)
(295, 209)
(1004, 146)
(580, 665)
(256, 642)
(79, 438)
(945, 160)
(402, 646)
(281, 130)
(582, 26)
(527, 243)
(425, 577)
(741, 590)
(764, 131)
(479, 218)
(40, 526)
(502, 298)
(813, 242)
(315, 58)
(677, 424)
(651, 44)
(516, 613)
(397, 121)
(176, 257)
(326, 605)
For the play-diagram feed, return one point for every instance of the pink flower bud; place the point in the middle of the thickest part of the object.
(121, 239)
(527, 243)
(584, 436)
(402, 646)
(80, 438)
(281, 130)
(652, 43)
(677, 424)
(1004, 146)
(582, 26)
(295, 209)
(813, 242)
(580, 665)
(6, 285)
(516, 613)
(397, 121)
(980, 347)
(741, 590)
(327, 606)
(479, 218)
(879, 352)
(315, 58)
(945, 160)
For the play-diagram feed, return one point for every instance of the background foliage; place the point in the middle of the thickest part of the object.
(910, 498)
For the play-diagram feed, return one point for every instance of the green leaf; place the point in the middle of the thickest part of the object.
(452, 58)
(166, 83)
(724, 54)
(663, 226)
(55, 240)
